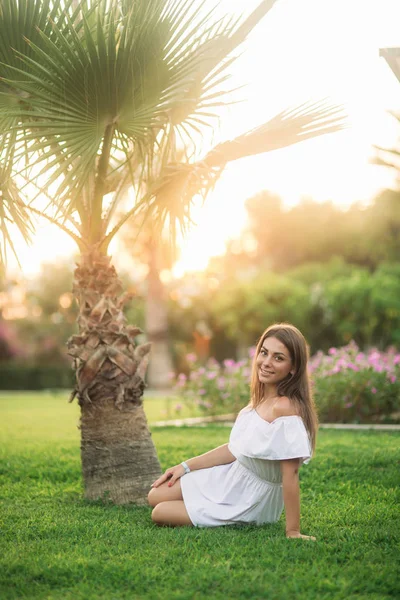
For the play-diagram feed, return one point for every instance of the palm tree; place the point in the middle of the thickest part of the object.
(389, 157)
(156, 254)
(93, 96)
(392, 57)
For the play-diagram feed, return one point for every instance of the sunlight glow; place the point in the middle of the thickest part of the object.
(302, 51)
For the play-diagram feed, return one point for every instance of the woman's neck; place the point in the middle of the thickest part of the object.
(270, 392)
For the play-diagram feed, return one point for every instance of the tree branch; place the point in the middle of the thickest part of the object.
(82, 245)
(100, 184)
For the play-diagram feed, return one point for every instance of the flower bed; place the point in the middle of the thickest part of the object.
(215, 388)
(350, 386)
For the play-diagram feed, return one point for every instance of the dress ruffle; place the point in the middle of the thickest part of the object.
(283, 438)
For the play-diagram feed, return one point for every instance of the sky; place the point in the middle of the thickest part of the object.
(303, 50)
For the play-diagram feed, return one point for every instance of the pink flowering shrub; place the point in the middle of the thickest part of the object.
(215, 388)
(350, 386)
(10, 346)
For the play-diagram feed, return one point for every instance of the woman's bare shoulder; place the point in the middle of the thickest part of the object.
(245, 409)
(285, 407)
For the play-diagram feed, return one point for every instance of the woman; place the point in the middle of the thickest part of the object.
(255, 475)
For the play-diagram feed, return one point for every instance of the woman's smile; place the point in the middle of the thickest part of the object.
(273, 352)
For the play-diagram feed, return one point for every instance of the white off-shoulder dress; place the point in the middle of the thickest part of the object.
(248, 490)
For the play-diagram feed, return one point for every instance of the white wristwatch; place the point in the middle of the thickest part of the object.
(186, 467)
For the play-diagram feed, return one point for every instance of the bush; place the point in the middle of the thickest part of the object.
(34, 377)
(350, 386)
(241, 306)
(215, 388)
(331, 303)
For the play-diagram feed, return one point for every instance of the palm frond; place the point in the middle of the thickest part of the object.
(289, 127)
(97, 95)
(13, 206)
(386, 157)
(170, 197)
(145, 75)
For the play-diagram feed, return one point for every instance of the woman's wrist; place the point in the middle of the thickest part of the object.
(186, 467)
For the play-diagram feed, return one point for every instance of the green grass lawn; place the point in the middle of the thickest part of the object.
(24, 406)
(55, 545)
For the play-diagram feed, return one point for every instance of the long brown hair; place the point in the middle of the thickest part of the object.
(296, 387)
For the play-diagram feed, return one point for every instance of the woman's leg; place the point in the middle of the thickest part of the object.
(163, 493)
(169, 508)
(171, 512)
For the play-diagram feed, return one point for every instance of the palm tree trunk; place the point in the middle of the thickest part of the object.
(119, 460)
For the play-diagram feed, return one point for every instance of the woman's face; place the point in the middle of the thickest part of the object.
(273, 362)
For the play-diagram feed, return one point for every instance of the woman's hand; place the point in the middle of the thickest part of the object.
(172, 474)
(297, 534)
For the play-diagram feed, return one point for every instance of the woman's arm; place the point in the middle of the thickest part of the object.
(213, 458)
(291, 494)
(291, 498)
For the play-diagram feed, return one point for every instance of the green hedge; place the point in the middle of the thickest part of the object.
(35, 377)
(330, 303)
